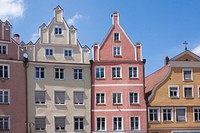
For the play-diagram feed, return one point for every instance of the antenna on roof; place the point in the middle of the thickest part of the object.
(185, 43)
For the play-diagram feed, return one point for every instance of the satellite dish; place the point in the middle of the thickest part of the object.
(25, 55)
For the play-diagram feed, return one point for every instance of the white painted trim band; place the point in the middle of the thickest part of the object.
(117, 85)
(117, 110)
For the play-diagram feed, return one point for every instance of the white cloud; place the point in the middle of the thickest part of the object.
(72, 21)
(11, 9)
(34, 37)
(196, 50)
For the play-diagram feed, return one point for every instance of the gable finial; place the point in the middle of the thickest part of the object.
(185, 43)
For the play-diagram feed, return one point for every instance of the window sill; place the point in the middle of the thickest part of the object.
(58, 104)
(40, 104)
(134, 103)
(4, 129)
(117, 55)
(4, 103)
(154, 121)
(60, 79)
(188, 80)
(189, 97)
(4, 78)
(117, 104)
(100, 78)
(180, 121)
(174, 97)
(79, 104)
(133, 77)
(117, 78)
(168, 121)
(100, 104)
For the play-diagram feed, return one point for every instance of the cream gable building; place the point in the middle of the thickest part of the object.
(59, 82)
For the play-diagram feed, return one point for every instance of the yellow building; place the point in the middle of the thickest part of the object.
(173, 94)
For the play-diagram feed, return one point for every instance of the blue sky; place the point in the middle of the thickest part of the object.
(161, 26)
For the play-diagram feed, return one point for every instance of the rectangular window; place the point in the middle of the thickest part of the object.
(100, 98)
(40, 124)
(58, 31)
(167, 114)
(4, 71)
(173, 91)
(196, 112)
(100, 72)
(180, 114)
(117, 51)
(78, 73)
(79, 123)
(135, 123)
(4, 97)
(133, 72)
(154, 114)
(116, 36)
(59, 73)
(78, 98)
(117, 123)
(188, 91)
(199, 91)
(187, 74)
(40, 97)
(4, 123)
(134, 98)
(59, 97)
(116, 72)
(101, 124)
(49, 51)
(39, 72)
(68, 53)
(59, 123)
(117, 98)
(3, 49)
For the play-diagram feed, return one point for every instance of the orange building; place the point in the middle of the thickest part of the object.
(173, 94)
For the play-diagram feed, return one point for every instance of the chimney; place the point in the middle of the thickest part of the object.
(115, 18)
(139, 53)
(95, 52)
(166, 60)
(16, 37)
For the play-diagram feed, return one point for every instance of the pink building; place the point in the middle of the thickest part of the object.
(118, 103)
(12, 83)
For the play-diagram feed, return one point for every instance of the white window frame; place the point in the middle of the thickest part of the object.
(154, 121)
(118, 36)
(79, 123)
(41, 117)
(59, 73)
(188, 86)
(191, 74)
(169, 90)
(132, 68)
(99, 67)
(116, 53)
(1, 50)
(185, 113)
(62, 91)
(59, 117)
(44, 97)
(198, 91)
(101, 123)
(3, 90)
(134, 123)
(172, 115)
(58, 30)
(78, 78)
(117, 123)
(117, 98)
(194, 114)
(3, 65)
(100, 98)
(40, 72)
(138, 98)
(116, 72)
(68, 49)
(5, 116)
(49, 48)
(83, 98)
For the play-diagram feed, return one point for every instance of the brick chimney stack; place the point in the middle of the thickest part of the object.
(16, 37)
(96, 52)
(115, 18)
(166, 60)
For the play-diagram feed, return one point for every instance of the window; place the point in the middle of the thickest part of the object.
(40, 97)
(59, 73)
(135, 123)
(188, 91)
(100, 72)
(116, 36)
(78, 73)
(101, 124)
(59, 123)
(116, 72)
(78, 98)
(117, 51)
(3, 49)
(39, 72)
(4, 123)
(79, 123)
(133, 72)
(100, 98)
(180, 114)
(134, 98)
(196, 112)
(4, 96)
(117, 98)
(40, 124)
(49, 51)
(167, 114)
(59, 97)
(4, 71)
(117, 123)
(68, 53)
(154, 114)
(187, 74)
(58, 31)
(173, 91)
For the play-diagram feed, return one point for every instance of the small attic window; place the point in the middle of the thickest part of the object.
(58, 31)
(6, 28)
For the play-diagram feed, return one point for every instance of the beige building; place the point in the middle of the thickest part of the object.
(59, 82)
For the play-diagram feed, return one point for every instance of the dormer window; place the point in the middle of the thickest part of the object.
(117, 51)
(187, 75)
(3, 49)
(116, 36)
(58, 31)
